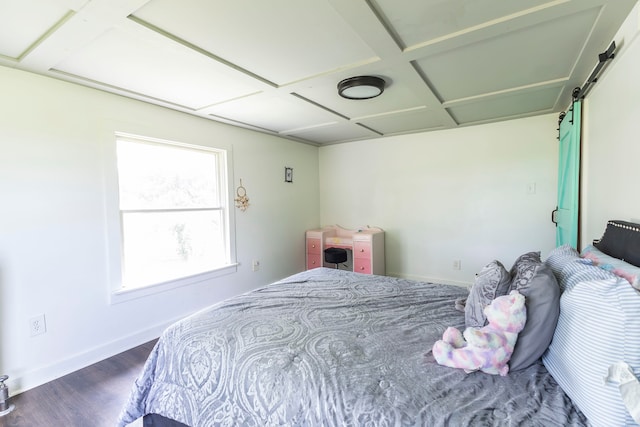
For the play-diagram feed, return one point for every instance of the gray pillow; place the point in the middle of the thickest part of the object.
(522, 269)
(538, 284)
(491, 282)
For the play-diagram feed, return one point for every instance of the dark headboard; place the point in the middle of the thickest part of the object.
(621, 239)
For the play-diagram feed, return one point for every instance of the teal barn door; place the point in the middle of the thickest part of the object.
(566, 214)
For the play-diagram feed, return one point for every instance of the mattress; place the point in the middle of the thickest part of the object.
(329, 347)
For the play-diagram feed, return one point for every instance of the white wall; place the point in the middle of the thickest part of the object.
(441, 196)
(52, 222)
(611, 138)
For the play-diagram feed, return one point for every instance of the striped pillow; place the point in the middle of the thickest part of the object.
(614, 265)
(561, 256)
(581, 270)
(598, 326)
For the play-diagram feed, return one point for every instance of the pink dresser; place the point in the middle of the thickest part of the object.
(366, 245)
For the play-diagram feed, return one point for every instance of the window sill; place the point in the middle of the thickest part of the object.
(128, 294)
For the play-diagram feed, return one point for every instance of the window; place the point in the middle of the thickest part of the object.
(173, 205)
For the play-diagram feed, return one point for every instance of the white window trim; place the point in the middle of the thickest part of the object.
(128, 294)
(118, 293)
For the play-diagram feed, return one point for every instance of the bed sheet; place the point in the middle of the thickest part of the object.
(329, 347)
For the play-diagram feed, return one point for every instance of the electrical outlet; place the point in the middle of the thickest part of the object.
(37, 325)
(457, 264)
(255, 265)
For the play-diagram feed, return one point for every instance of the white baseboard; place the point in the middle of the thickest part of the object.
(20, 382)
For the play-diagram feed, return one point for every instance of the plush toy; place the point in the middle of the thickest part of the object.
(489, 348)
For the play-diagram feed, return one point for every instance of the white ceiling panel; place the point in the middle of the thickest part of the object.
(419, 22)
(397, 96)
(41, 15)
(279, 40)
(273, 66)
(532, 55)
(273, 113)
(334, 133)
(143, 62)
(514, 105)
(410, 121)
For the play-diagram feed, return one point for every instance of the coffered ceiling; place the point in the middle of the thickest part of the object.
(273, 66)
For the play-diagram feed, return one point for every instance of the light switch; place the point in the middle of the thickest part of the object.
(531, 188)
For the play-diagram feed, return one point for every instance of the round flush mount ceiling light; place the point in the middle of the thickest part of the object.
(361, 87)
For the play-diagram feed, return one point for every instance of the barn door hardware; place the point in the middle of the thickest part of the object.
(554, 216)
(603, 58)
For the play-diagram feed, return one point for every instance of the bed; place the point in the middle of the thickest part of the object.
(329, 347)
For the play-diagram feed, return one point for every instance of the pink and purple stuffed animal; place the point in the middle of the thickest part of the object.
(489, 348)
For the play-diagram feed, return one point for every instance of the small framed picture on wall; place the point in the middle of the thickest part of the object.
(288, 174)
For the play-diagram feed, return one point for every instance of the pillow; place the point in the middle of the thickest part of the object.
(491, 282)
(581, 271)
(621, 240)
(536, 281)
(598, 326)
(616, 266)
(522, 268)
(561, 256)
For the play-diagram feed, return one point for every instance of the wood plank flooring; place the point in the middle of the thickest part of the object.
(90, 397)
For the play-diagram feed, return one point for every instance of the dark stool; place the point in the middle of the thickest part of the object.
(335, 256)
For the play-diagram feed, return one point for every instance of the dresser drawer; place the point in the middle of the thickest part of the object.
(313, 246)
(314, 261)
(362, 265)
(362, 250)
(365, 248)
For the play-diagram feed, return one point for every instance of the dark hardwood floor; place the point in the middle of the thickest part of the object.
(90, 397)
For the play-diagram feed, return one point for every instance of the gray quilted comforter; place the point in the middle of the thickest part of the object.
(333, 348)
